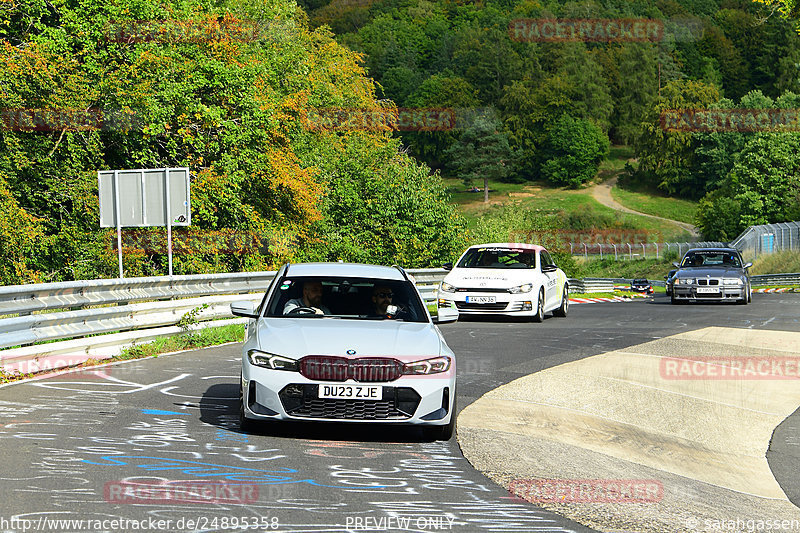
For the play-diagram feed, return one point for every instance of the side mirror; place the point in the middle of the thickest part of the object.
(446, 314)
(676, 265)
(549, 268)
(244, 308)
(747, 265)
(447, 266)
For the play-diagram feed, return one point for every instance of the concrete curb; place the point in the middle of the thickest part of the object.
(619, 416)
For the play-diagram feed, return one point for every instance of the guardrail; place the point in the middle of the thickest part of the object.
(101, 317)
(775, 279)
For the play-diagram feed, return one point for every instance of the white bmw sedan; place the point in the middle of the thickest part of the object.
(343, 342)
(506, 279)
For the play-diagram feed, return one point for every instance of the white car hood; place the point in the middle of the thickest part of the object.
(298, 337)
(490, 278)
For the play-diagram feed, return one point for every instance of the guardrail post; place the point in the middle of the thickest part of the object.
(585, 252)
(601, 250)
(630, 253)
(656, 249)
(615, 251)
(644, 251)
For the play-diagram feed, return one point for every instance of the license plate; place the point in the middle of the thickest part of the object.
(707, 290)
(481, 299)
(351, 392)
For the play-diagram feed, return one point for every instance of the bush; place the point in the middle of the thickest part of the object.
(573, 152)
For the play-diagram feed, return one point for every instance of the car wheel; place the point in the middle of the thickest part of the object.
(539, 316)
(673, 300)
(749, 294)
(744, 300)
(564, 308)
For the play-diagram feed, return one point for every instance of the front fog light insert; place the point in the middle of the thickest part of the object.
(273, 361)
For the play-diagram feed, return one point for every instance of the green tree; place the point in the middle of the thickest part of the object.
(482, 152)
(573, 152)
(635, 90)
(667, 158)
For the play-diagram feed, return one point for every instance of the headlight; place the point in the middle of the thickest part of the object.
(428, 366)
(271, 360)
(446, 287)
(729, 281)
(522, 288)
(684, 281)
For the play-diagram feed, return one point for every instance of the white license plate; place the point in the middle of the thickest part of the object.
(351, 392)
(481, 299)
(707, 290)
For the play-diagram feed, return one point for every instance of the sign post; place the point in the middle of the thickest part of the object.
(144, 198)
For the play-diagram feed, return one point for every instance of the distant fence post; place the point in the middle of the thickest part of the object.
(615, 251)
(601, 250)
(656, 250)
(630, 253)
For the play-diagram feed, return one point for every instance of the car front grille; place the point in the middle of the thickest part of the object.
(705, 282)
(482, 289)
(365, 369)
(398, 403)
(500, 306)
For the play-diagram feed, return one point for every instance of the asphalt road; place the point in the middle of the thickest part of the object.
(157, 440)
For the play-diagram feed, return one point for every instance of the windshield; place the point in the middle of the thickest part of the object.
(711, 260)
(498, 258)
(339, 297)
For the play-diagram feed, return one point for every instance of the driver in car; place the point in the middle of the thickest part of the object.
(312, 299)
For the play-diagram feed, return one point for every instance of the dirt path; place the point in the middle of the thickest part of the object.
(602, 193)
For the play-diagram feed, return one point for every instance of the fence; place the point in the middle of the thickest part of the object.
(97, 318)
(767, 239)
(641, 250)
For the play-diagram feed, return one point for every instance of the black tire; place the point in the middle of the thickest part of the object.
(749, 293)
(539, 316)
(564, 307)
(672, 299)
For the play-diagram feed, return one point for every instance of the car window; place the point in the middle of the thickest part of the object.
(711, 259)
(498, 258)
(344, 297)
(546, 259)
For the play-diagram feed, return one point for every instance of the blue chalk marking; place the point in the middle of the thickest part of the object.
(159, 412)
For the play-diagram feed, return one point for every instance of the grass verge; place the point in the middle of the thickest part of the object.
(786, 262)
(654, 204)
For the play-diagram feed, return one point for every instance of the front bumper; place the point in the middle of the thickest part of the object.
(723, 293)
(506, 304)
(280, 395)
